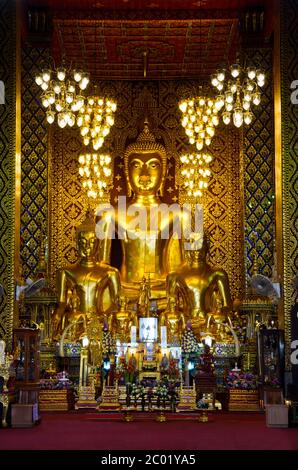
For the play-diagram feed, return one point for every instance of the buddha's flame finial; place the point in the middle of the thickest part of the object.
(146, 135)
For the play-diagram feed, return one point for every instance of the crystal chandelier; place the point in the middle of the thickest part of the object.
(238, 93)
(195, 173)
(199, 119)
(95, 119)
(96, 173)
(62, 96)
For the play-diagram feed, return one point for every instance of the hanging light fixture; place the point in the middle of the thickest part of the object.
(238, 92)
(96, 173)
(199, 119)
(95, 119)
(195, 173)
(62, 93)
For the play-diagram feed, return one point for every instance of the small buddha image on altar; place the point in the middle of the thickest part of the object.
(164, 365)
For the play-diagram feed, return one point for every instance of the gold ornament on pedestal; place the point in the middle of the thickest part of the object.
(5, 362)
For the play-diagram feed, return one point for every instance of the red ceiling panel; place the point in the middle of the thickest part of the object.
(183, 38)
(144, 4)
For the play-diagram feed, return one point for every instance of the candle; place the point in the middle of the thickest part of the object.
(2, 352)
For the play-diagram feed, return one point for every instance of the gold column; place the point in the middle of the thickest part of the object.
(9, 160)
(288, 194)
(17, 218)
(278, 154)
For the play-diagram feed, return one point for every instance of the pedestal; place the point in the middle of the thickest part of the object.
(187, 399)
(56, 400)
(110, 399)
(86, 397)
(244, 400)
(24, 416)
(277, 416)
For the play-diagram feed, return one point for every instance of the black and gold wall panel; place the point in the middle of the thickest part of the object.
(289, 73)
(258, 152)
(7, 164)
(34, 161)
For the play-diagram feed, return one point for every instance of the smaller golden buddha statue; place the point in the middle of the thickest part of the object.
(144, 298)
(122, 321)
(194, 282)
(218, 321)
(88, 287)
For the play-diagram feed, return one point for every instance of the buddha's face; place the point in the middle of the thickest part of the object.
(87, 244)
(145, 173)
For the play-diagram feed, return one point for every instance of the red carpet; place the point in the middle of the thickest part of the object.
(94, 431)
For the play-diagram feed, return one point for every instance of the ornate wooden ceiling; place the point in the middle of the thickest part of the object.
(180, 38)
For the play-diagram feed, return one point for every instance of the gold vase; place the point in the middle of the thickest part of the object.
(161, 418)
(203, 418)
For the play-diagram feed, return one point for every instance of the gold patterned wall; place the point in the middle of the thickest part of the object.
(34, 161)
(223, 206)
(289, 73)
(7, 164)
(258, 152)
(223, 211)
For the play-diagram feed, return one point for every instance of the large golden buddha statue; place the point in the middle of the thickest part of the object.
(148, 248)
(194, 283)
(90, 287)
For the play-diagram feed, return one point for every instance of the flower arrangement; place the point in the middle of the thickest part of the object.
(121, 368)
(272, 382)
(242, 381)
(59, 381)
(162, 394)
(126, 370)
(189, 342)
(137, 390)
(108, 343)
(162, 391)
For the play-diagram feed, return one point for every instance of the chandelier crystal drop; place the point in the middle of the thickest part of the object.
(199, 119)
(238, 93)
(96, 173)
(95, 119)
(62, 94)
(195, 173)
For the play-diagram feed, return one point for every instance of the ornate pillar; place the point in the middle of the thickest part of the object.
(9, 161)
(286, 131)
(258, 150)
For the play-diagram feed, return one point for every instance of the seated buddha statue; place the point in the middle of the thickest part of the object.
(87, 288)
(148, 247)
(194, 282)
